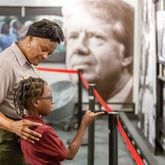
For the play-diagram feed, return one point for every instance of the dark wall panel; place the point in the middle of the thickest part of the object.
(31, 11)
(10, 10)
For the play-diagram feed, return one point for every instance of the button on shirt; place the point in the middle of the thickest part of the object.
(13, 68)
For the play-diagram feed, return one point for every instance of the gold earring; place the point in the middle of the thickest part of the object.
(28, 45)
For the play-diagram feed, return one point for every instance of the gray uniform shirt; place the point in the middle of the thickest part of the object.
(13, 68)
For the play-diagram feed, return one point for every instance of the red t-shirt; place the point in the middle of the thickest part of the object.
(49, 150)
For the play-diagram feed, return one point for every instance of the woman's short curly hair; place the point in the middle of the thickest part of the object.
(46, 29)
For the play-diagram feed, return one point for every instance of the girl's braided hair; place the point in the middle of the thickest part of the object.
(27, 90)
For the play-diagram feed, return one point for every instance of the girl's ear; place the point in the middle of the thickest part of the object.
(35, 102)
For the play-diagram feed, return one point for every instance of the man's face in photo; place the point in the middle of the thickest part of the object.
(91, 47)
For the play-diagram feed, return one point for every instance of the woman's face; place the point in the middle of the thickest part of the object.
(92, 48)
(39, 49)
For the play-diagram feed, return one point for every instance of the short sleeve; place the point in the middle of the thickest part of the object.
(53, 145)
(6, 79)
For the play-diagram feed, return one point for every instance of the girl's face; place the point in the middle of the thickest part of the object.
(45, 102)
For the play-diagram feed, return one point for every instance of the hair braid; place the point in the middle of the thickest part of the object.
(27, 90)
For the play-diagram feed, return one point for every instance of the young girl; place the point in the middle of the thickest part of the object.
(33, 99)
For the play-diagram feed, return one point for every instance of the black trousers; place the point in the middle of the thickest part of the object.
(10, 151)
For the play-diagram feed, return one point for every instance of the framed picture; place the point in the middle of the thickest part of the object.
(14, 27)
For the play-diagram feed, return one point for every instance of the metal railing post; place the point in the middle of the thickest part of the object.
(91, 128)
(113, 138)
(79, 98)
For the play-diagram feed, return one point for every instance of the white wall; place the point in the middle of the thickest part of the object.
(34, 3)
(43, 2)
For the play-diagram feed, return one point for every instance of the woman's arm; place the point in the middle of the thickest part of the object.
(21, 128)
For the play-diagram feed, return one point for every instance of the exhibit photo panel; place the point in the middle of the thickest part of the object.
(99, 41)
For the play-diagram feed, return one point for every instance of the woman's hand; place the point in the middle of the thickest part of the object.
(22, 129)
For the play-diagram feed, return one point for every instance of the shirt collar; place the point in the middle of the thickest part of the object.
(122, 95)
(34, 118)
(19, 55)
